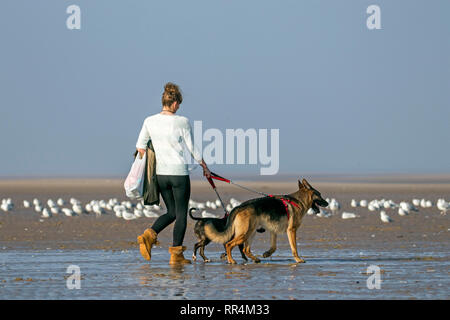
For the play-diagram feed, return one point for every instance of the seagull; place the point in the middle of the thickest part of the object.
(387, 205)
(443, 206)
(211, 205)
(416, 202)
(206, 214)
(111, 203)
(119, 208)
(408, 206)
(7, 205)
(363, 203)
(98, 210)
(127, 204)
(200, 205)
(88, 207)
(150, 214)
(235, 202)
(426, 203)
(384, 217)
(102, 204)
(334, 206)
(77, 209)
(393, 204)
(60, 202)
(55, 210)
(26, 204)
(354, 204)
(4, 207)
(138, 213)
(128, 215)
(46, 213)
(423, 203)
(402, 212)
(50, 203)
(348, 215)
(68, 212)
(195, 204)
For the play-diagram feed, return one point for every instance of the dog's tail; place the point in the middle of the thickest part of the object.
(190, 214)
(216, 233)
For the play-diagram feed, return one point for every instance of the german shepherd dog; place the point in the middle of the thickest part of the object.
(271, 214)
(199, 230)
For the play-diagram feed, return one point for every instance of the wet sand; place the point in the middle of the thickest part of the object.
(412, 251)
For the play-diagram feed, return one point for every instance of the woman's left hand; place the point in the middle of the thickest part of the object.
(206, 171)
(141, 152)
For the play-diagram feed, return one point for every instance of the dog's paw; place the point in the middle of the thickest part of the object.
(207, 260)
(223, 256)
(194, 257)
(257, 261)
(267, 254)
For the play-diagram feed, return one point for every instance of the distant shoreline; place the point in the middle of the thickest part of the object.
(398, 178)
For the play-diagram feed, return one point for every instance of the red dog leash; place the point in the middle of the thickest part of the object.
(217, 177)
(217, 193)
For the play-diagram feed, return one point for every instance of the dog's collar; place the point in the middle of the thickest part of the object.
(292, 200)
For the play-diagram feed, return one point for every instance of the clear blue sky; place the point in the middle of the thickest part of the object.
(346, 99)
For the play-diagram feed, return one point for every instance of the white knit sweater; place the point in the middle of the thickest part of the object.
(171, 135)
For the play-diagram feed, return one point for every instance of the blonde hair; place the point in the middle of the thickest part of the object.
(171, 94)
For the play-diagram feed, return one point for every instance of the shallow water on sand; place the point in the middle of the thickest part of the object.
(327, 274)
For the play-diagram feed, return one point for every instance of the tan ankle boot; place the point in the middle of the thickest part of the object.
(176, 255)
(146, 241)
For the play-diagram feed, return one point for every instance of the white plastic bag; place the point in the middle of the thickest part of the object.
(134, 183)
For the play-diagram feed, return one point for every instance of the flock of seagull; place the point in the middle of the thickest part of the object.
(403, 208)
(128, 210)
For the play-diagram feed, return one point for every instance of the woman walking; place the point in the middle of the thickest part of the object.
(169, 134)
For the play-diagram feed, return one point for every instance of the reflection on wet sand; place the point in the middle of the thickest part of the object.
(331, 274)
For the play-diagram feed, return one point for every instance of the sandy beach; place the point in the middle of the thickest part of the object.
(23, 228)
(421, 237)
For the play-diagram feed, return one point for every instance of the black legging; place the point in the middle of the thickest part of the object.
(175, 191)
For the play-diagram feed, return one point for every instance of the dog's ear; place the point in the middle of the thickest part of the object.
(306, 184)
(300, 185)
